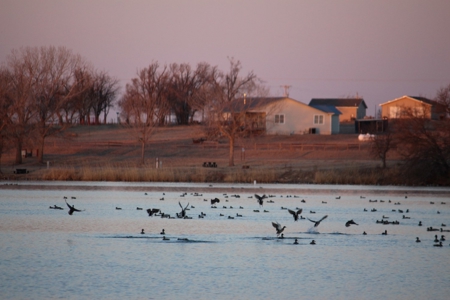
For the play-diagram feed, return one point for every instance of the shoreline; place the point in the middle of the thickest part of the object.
(306, 189)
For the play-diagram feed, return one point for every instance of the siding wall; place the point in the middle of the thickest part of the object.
(298, 119)
(393, 110)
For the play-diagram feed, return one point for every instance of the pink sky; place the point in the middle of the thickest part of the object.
(380, 49)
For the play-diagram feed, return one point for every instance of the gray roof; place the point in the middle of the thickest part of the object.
(254, 102)
(423, 99)
(338, 102)
(327, 109)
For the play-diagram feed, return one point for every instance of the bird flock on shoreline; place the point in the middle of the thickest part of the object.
(279, 229)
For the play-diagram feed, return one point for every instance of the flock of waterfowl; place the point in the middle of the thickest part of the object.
(296, 214)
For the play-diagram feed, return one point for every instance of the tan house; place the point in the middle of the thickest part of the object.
(419, 106)
(285, 116)
(350, 108)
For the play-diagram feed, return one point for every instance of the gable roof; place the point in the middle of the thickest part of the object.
(416, 98)
(327, 109)
(251, 103)
(338, 102)
(255, 103)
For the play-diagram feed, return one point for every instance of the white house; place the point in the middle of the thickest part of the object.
(281, 115)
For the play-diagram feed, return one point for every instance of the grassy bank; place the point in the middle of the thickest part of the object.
(110, 153)
(351, 175)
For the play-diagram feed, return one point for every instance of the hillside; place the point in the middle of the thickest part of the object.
(114, 146)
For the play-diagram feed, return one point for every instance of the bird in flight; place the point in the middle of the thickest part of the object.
(182, 214)
(278, 227)
(72, 208)
(260, 199)
(351, 222)
(295, 214)
(317, 223)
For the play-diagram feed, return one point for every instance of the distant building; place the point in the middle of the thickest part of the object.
(420, 106)
(350, 108)
(282, 115)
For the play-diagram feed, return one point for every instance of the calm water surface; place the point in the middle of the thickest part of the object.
(100, 254)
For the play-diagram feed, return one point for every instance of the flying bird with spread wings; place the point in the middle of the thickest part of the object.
(295, 214)
(317, 223)
(182, 214)
(278, 227)
(260, 199)
(72, 208)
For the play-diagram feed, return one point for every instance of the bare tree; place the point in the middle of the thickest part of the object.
(81, 104)
(380, 145)
(22, 75)
(225, 117)
(52, 89)
(185, 87)
(5, 111)
(104, 91)
(424, 145)
(443, 100)
(140, 102)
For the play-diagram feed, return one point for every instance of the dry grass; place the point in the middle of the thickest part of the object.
(110, 153)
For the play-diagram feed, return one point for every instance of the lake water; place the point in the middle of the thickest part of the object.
(100, 254)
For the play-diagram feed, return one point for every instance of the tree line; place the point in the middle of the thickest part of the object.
(159, 92)
(43, 90)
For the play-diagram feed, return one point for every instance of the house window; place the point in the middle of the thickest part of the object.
(279, 119)
(318, 119)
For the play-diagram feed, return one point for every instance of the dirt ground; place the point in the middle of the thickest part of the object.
(174, 148)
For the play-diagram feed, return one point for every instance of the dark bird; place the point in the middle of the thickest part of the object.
(163, 231)
(152, 211)
(278, 227)
(260, 199)
(56, 207)
(313, 242)
(351, 222)
(317, 223)
(295, 214)
(142, 231)
(72, 208)
(214, 201)
(182, 214)
(417, 240)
